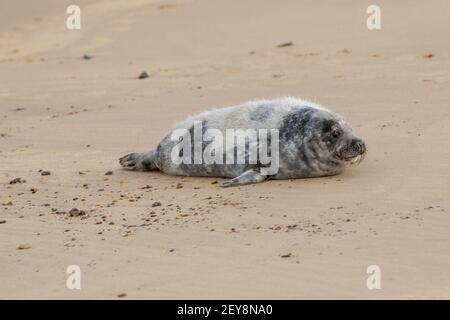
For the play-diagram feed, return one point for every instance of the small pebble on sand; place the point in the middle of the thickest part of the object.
(286, 44)
(143, 75)
(76, 212)
(17, 180)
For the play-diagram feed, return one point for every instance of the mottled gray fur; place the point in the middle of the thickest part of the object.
(313, 141)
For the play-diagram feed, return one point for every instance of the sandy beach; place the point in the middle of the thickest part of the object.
(291, 239)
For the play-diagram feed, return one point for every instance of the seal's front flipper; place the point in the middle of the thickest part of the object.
(139, 161)
(248, 177)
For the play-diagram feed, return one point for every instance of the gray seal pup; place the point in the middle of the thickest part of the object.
(311, 141)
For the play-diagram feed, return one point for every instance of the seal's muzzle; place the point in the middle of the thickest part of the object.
(353, 150)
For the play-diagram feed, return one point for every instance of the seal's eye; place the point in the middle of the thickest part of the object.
(328, 126)
(336, 133)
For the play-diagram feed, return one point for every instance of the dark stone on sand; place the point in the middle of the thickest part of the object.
(17, 180)
(76, 212)
(143, 75)
(286, 44)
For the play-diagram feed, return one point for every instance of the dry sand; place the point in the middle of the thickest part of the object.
(76, 117)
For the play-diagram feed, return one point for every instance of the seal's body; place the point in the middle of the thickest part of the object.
(313, 142)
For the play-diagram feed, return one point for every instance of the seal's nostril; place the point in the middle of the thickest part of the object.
(359, 145)
(362, 147)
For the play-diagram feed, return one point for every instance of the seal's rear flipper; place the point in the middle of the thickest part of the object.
(248, 177)
(139, 161)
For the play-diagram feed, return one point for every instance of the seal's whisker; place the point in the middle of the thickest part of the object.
(362, 157)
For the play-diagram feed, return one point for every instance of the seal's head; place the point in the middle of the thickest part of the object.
(340, 141)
